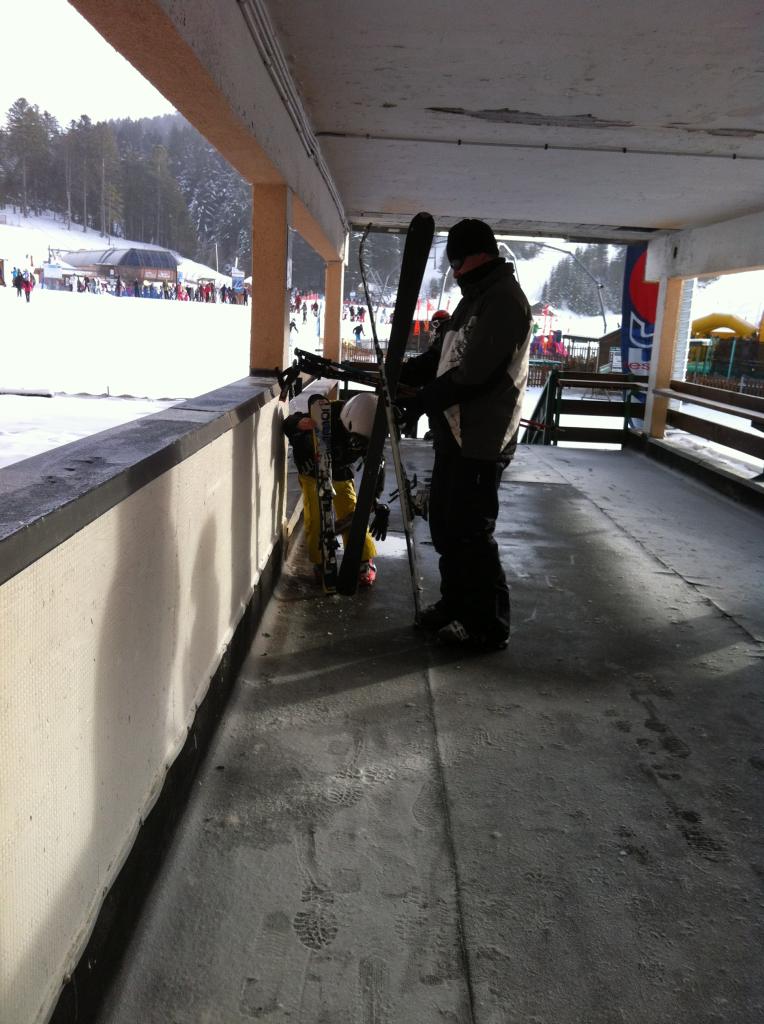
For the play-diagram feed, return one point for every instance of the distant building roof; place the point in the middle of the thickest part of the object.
(123, 258)
(613, 338)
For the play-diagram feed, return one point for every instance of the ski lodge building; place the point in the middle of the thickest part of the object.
(227, 798)
(153, 265)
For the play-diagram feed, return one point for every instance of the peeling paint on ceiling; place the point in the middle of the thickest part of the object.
(646, 115)
(504, 115)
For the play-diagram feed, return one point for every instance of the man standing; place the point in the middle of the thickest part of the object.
(473, 383)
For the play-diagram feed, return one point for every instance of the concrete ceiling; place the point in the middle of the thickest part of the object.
(600, 120)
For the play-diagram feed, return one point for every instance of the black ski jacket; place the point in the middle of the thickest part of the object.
(303, 446)
(474, 376)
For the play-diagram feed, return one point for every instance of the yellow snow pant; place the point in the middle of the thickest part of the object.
(344, 505)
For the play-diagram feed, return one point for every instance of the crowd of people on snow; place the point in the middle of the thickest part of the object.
(206, 291)
(298, 305)
(354, 313)
(351, 313)
(357, 314)
(203, 291)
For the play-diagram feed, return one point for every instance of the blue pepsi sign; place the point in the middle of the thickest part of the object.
(638, 311)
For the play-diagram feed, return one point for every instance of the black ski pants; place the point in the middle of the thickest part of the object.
(464, 505)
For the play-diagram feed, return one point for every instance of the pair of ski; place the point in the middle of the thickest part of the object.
(321, 414)
(345, 580)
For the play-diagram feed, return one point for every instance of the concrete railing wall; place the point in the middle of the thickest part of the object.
(109, 642)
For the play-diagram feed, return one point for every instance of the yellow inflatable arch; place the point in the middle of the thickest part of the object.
(704, 326)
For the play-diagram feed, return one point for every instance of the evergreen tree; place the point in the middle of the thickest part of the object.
(27, 155)
(136, 192)
(66, 155)
(592, 272)
(219, 200)
(49, 185)
(110, 205)
(85, 172)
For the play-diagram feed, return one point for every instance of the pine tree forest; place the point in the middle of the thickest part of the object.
(152, 180)
(158, 180)
(574, 282)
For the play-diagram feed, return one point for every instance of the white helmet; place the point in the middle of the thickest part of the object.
(357, 414)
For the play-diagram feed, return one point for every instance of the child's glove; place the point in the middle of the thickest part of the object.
(378, 525)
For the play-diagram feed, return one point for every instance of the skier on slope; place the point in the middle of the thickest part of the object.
(28, 283)
(352, 422)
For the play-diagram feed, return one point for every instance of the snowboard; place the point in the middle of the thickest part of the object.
(415, 254)
(322, 417)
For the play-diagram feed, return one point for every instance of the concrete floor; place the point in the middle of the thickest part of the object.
(561, 833)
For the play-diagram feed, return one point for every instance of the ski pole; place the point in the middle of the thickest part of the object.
(400, 473)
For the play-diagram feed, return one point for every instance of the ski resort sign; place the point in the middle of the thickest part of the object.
(640, 301)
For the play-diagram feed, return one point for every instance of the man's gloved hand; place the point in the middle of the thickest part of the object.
(378, 525)
(408, 410)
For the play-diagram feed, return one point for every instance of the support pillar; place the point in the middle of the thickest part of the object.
(269, 338)
(333, 282)
(662, 358)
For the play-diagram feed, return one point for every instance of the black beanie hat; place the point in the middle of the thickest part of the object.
(469, 237)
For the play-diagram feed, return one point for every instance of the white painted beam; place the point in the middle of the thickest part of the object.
(236, 44)
(723, 248)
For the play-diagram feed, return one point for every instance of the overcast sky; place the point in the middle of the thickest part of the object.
(54, 58)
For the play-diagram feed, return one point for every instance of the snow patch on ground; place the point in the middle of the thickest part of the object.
(31, 425)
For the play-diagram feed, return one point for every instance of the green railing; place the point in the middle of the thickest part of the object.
(604, 394)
